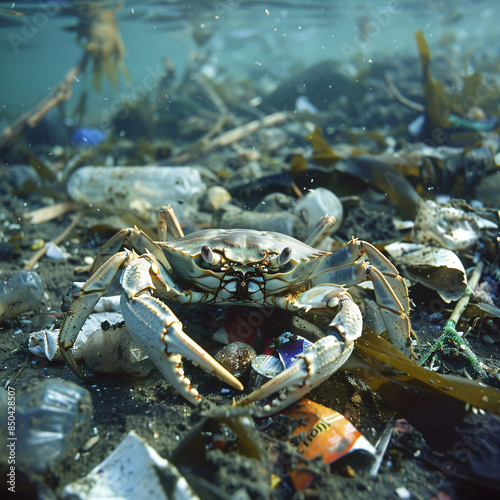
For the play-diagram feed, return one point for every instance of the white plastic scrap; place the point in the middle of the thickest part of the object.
(403, 493)
(110, 351)
(447, 227)
(56, 252)
(44, 343)
(437, 268)
(108, 304)
(133, 470)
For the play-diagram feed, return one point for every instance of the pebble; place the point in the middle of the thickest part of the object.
(250, 170)
(236, 358)
(90, 443)
(216, 197)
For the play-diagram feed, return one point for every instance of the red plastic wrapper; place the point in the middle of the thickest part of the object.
(329, 434)
(244, 324)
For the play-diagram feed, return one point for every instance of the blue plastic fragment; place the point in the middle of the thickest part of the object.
(290, 346)
(87, 136)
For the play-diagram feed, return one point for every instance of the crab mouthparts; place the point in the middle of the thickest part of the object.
(242, 285)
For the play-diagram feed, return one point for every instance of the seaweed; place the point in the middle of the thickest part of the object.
(444, 111)
(436, 102)
(381, 356)
(357, 163)
(103, 43)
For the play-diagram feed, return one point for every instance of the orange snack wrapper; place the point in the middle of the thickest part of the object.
(329, 434)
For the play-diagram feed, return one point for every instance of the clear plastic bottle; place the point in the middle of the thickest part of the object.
(140, 189)
(20, 292)
(53, 420)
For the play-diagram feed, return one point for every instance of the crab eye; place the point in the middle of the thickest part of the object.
(282, 259)
(210, 257)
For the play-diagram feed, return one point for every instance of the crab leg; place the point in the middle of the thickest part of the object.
(345, 266)
(322, 229)
(134, 238)
(158, 332)
(318, 362)
(84, 302)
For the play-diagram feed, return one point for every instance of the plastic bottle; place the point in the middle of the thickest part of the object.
(137, 188)
(22, 291)
(53, 420)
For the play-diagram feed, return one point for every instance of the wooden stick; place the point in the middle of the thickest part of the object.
(32, 117)
(48, 213)
(465, 298)
(56, 241)
(400, 97)
(243, 131)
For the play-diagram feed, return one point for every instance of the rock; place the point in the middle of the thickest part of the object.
(215, 197)
(236, 358)
(317, 203)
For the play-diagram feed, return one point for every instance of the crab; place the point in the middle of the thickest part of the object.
(241, 266)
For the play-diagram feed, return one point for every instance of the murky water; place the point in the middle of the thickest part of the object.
(245, 39)
(254, 119)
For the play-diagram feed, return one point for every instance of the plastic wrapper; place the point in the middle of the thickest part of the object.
(53, 420)
(436, 268)
(103, 343)
(328, 435)
(447, 227)
(132, 471)
(289, 346)
(21, 292)
(142, 190)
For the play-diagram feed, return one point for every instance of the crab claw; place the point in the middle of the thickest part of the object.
(158, 332)
(312, 367)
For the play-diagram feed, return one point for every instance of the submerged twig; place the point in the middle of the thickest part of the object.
(400, 97)
(55, 241)
(24, 364)
(243, 131)
(61, 92)
(213, 95)
(48, 213)
(296, 191)
(204, 140)
(465, 298)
